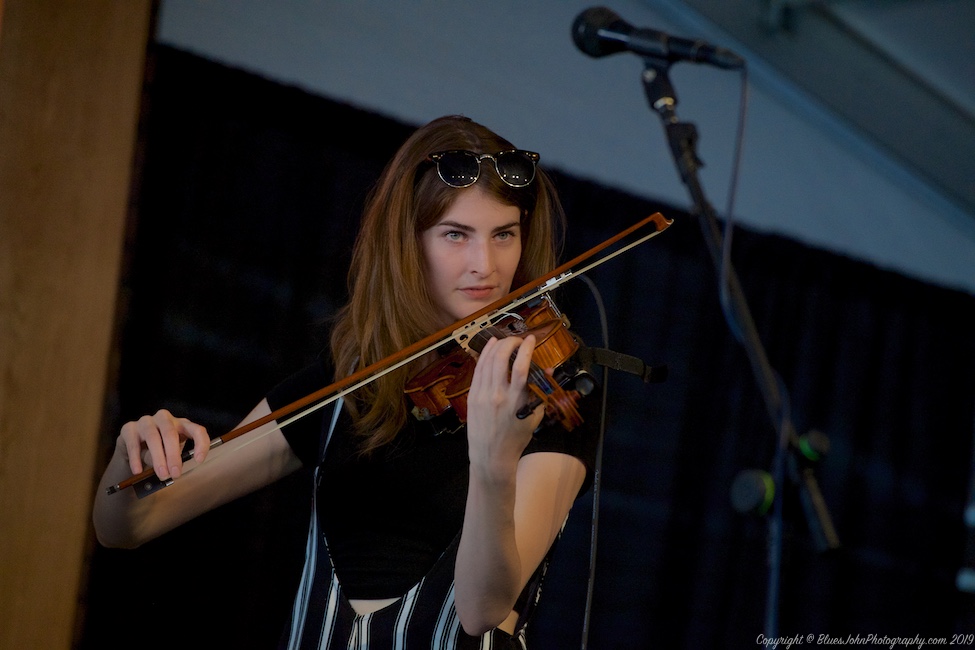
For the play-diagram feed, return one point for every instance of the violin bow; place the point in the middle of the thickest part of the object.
(461, 331)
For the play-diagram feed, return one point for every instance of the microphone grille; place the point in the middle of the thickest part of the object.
(585, 31)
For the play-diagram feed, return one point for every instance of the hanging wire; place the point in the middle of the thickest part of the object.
(724, 281)
(597, 470)
(782, 410)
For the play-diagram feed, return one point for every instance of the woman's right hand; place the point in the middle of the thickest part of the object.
(246, 463)
(159, 440)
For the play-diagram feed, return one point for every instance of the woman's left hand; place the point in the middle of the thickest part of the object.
(515, 506)
(496, 436)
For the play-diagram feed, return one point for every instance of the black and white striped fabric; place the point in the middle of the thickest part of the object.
(423, 619)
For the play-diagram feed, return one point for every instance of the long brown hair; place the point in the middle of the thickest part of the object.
(390, 306)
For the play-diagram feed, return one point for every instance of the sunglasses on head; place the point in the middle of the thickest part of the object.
(461, 168)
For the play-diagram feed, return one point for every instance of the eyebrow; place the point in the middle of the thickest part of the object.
(467, 228)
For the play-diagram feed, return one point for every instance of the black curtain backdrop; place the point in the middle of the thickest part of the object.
(249, 198)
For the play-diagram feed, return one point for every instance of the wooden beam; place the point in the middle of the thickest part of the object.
(70, 85)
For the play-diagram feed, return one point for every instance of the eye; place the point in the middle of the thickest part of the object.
(454, 235)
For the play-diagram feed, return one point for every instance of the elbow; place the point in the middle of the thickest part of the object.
(109, 540)
(113, 539)
(477, 621)
(112, 532)
(478, 627)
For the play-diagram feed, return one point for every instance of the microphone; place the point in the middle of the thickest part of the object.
(598, 31)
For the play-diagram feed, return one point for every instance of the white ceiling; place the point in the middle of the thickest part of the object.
(900, 71)
(935, 39)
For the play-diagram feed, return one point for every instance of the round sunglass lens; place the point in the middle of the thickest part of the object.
(458, 169)
(515, 168)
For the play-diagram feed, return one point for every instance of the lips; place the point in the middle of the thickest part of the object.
(478, 293)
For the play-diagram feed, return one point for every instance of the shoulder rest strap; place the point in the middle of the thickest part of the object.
(618, 361)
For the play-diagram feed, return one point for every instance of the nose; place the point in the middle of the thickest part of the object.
(482, 260)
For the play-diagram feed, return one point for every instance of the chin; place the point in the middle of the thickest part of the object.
(473, 309)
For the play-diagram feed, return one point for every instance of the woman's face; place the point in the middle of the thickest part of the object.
(472, 254)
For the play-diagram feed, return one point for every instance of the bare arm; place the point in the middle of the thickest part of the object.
(232, 470)
(515, 505)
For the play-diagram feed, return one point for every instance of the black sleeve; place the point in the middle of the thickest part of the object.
(581, 442)
(303, 434)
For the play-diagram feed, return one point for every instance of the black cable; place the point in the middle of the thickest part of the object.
(781, 418)
(597, 470)
(724, 281)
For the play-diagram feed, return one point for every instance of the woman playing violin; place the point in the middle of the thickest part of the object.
(419, 539)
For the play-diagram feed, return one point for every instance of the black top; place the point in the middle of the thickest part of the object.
(388, 516)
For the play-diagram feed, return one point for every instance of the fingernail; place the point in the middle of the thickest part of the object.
(174, 471)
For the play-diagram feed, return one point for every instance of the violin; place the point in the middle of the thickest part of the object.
(462, 332)
(440, 390)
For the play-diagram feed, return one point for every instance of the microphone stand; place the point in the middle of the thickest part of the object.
(682, 138)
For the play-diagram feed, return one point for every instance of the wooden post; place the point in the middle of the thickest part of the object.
(70, 85)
